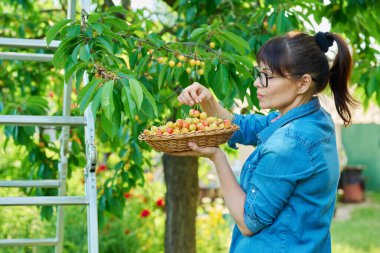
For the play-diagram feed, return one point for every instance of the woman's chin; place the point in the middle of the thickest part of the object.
(263, 105)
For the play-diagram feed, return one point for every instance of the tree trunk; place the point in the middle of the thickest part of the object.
(181, 177)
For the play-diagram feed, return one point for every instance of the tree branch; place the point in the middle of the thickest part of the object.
(191, 44)
(51, 10)
(63, 5)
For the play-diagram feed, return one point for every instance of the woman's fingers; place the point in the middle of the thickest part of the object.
(184, 153)
(204, 95)
(187, 98)
(203, 151)
(197, 151)
(194, 95)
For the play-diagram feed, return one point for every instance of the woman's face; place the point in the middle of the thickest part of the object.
(281, 93)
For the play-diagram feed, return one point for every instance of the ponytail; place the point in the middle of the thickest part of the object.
(339, 76)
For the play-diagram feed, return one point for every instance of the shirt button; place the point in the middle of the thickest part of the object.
(253, 191)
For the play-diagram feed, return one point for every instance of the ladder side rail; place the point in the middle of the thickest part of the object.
(60, 229)
(90, 176)
(90, 179)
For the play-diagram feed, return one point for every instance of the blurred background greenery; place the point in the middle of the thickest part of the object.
(139, 225)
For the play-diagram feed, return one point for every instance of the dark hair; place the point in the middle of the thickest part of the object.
(297, 52)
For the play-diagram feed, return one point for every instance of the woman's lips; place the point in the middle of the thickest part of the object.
(259, 96)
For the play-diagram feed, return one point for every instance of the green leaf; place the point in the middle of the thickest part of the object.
(244, 60)
(127, 98)
(109, 33)
(151, 99)
(209, 73)
(116, 116)
(93, 17)
(84, 53)
(98, 28)
(143, 62)
(254, 99)
(96, 102)
(72, 30)
(86, 94)
(74, 54)
(236, 42)
(46, 213)
(107, 99)
(120, 24)
(156, 40)
(78, 78)
(137, 156)
(281, 22)
(137, 92)
(70, 72)
(191, 12)
(50, 35)
(371, 86)
(162, 76)
(64, 50)
(238, 62)
(117, 9)
(108, 126)
(197, 33)
(133, 58)
(222, 75)
(272, 19)
(106, 44)
(222, 79)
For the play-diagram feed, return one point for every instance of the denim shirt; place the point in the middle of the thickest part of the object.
(290, 180)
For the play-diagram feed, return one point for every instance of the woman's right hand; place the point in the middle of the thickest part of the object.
(194, 94)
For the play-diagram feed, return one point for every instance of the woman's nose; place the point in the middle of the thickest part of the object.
(257, 83)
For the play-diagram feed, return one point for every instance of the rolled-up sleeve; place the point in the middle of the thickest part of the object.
(284, 161)
(249, 126)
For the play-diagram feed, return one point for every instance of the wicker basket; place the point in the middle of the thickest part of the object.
(179, 142)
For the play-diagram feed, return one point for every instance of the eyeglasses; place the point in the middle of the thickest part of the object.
(263, 77)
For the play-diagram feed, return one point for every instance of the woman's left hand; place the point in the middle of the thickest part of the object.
(208, 152)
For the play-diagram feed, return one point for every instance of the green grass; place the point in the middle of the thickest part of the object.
(361, 232)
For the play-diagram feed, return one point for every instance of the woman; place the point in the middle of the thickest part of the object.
(285, 200)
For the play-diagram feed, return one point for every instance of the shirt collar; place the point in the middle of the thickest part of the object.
(293, 114)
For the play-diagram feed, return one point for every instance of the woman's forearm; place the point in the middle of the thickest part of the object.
(233, 194)
(213, 108)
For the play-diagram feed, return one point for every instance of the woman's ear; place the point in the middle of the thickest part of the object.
(304, 84)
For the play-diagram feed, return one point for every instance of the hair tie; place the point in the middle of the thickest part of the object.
(324, 40)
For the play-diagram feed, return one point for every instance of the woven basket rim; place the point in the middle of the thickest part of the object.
(179, 136)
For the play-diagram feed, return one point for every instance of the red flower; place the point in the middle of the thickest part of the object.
(160, 202)
(101, 168)
(145, 213)
(127, 195)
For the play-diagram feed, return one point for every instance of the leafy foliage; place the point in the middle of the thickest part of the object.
(137, 64)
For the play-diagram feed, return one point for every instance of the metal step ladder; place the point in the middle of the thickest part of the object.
(65, 121)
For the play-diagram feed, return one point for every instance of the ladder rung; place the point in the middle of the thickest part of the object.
(26, 56)
(27, 43)
(42, 201)
(28, 120)
(30, 183)
(28, 242)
